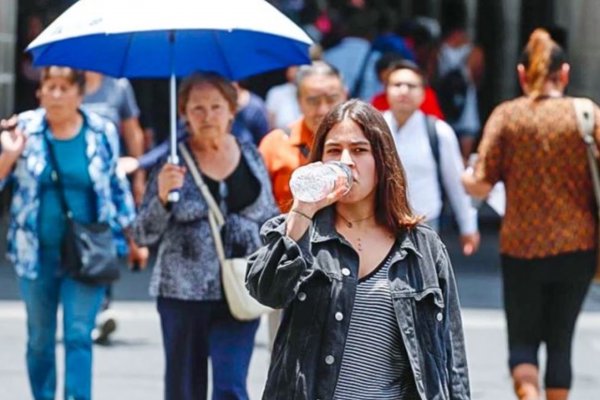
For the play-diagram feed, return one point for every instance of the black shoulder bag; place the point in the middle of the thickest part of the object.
(88, 251)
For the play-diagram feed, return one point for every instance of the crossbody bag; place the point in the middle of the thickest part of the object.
(242, 305)
(88, 251)
(585, 112)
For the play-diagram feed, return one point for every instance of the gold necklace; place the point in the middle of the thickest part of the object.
(350, 224)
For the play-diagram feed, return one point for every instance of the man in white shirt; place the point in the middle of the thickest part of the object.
(405, 93)
(282, 101)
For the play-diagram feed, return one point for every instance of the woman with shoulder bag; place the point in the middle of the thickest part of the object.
(59, 142)
(549, 232)
(195, 318)
(370, 307)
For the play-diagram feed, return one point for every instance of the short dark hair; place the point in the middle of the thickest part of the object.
(75, 76)
(407, 64)
(386, 60)
(222, 84)
(393, 209)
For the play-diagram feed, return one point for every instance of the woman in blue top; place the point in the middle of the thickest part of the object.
(86, 149)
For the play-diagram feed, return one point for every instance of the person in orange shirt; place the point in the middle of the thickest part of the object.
(320, 88)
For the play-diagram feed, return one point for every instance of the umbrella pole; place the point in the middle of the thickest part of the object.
(173, 158)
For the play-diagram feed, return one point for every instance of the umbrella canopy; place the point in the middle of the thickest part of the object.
(160, 38)
(169, 38)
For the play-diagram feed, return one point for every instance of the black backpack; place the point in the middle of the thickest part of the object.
(452, 93)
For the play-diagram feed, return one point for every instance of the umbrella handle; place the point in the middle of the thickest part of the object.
(174, 195)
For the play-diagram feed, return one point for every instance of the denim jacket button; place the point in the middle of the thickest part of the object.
(339, 316)
(345, 272)
(329, 360)
(439, 316)
(301, 296)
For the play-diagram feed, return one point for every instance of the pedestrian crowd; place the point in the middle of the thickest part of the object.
(364, 299)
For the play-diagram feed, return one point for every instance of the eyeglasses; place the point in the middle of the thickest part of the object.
(329, 99)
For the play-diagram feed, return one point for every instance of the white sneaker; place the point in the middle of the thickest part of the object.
(106, 324)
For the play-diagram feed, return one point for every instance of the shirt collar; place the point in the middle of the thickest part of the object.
(300, 134)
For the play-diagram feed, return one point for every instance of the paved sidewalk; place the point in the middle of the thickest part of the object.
(131, 367)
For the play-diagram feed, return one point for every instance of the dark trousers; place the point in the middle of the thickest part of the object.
(542, 299)
(192, 332)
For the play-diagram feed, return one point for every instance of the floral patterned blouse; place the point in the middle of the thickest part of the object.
(114, 201)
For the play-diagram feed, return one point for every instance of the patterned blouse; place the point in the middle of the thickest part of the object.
(114, 201)
(187, 267)
(535, 148)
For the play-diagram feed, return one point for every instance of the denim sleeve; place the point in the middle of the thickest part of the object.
(152, 219)
(277, 269)
(458, 371)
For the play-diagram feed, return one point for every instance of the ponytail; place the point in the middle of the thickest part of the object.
(542, 57)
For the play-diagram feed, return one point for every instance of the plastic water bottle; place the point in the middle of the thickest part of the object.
(313, 182)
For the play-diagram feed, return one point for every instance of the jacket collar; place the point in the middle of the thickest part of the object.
(324, 230)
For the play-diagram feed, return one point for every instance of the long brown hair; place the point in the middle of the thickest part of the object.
(542, 59)
(392, 207)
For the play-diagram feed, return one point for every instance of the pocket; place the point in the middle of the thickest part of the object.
(435, 293)
(428, 318)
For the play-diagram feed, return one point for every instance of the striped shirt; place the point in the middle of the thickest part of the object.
(375, 364)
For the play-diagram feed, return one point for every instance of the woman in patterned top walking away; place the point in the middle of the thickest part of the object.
(370, 308)
(549, 233)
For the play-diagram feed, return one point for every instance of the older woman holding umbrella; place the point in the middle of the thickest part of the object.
(85, 149)
(195, 319)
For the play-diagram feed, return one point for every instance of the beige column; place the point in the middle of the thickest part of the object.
(8, 39)
(511, 14)
(580, 18)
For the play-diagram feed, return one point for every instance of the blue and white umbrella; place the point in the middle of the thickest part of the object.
(171, 38)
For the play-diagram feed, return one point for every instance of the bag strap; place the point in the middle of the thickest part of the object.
(585, 112)
(193, 168)
(215, 216)
(358, 83)
(55, 176)
(434, 144)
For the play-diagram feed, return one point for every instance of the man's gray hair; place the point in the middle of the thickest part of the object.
(320, 68)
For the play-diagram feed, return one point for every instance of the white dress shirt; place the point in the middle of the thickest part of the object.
(282, 102)
(424, 193)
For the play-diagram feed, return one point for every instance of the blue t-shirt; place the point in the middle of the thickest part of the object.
(79, 191)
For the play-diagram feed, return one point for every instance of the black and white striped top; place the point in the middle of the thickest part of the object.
(375, 364)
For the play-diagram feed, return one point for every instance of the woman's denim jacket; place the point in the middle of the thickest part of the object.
(187, 266)
(315, 278)
(114, 202)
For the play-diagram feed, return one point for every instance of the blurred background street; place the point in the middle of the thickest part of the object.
(131, 366)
